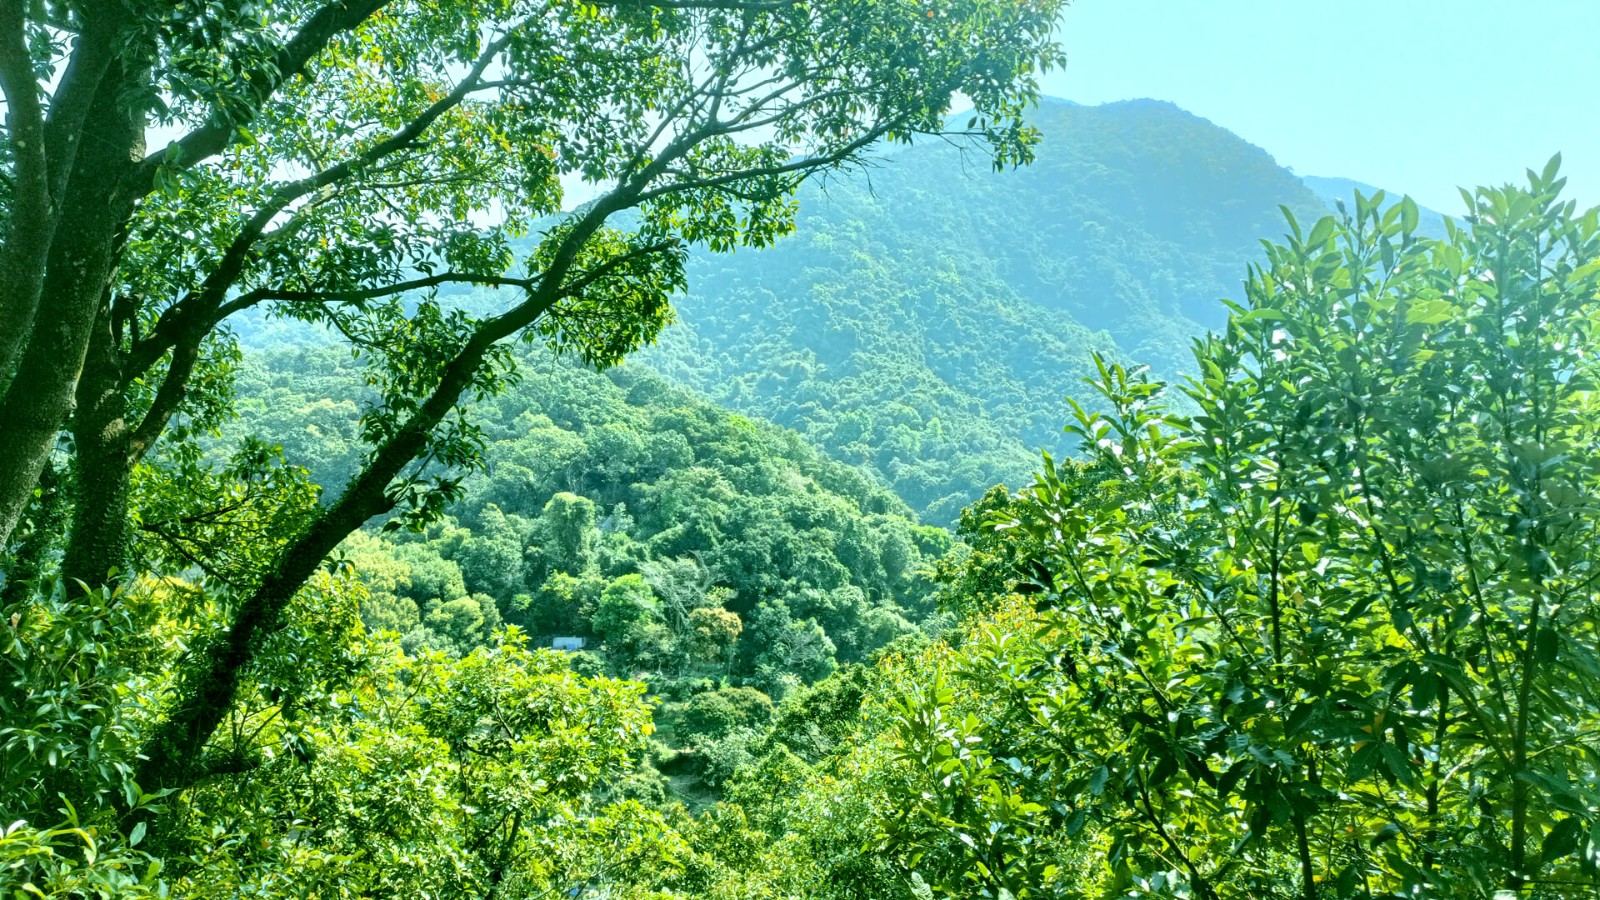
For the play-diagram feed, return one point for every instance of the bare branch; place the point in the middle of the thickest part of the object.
(181, 547)
(726, 5)
(247, 300)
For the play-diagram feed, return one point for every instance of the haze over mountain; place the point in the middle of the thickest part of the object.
(931, 316)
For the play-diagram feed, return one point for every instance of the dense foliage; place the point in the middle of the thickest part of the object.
(1334, 635)
(403, 610)
(686, 545)
(187, 672)
(1329, 631)
(721, 562)
(338, 164)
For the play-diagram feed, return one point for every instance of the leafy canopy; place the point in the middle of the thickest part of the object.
(1332, 636)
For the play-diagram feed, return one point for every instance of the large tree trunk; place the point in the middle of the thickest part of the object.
(49, 516)
(41, 395)
(26, 241)
(99, 538)
(23, 250)
(94, 207)
(210, 685)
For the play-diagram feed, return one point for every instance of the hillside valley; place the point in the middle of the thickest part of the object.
(924, 329)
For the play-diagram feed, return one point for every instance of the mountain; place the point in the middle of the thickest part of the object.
(931, 316)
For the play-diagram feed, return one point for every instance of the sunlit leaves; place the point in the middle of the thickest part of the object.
(619, 299)
(1333, 633)
(226, 521)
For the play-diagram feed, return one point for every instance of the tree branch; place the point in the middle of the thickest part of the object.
(186, 315)
(183, 326)
(91, 59)
(247, 300)
(803, 163)
(725, 5)
(327, 23)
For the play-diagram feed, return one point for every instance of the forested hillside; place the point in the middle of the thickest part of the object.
(689, 547)
(931, 316)
(594, 477)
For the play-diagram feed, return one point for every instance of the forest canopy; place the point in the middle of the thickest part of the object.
(345, 556)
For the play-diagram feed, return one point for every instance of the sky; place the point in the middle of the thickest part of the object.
(1415, 96)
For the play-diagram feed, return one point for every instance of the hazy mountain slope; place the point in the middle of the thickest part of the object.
(931, 315)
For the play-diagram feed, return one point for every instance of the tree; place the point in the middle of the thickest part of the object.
(628, 617)
(563, 537)
(333, 159)
(491, 555)
(716, 631)
(784, 651)
(713, 714)
(460, 623)
(1334, 634)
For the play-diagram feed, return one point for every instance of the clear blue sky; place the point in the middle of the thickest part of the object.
(1416, 96)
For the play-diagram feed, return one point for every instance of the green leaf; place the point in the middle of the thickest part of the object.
(1561, 840)
(1097, 780)
(1551, 169)
(1262, 315)
(1429, 312)
(1321, 232)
